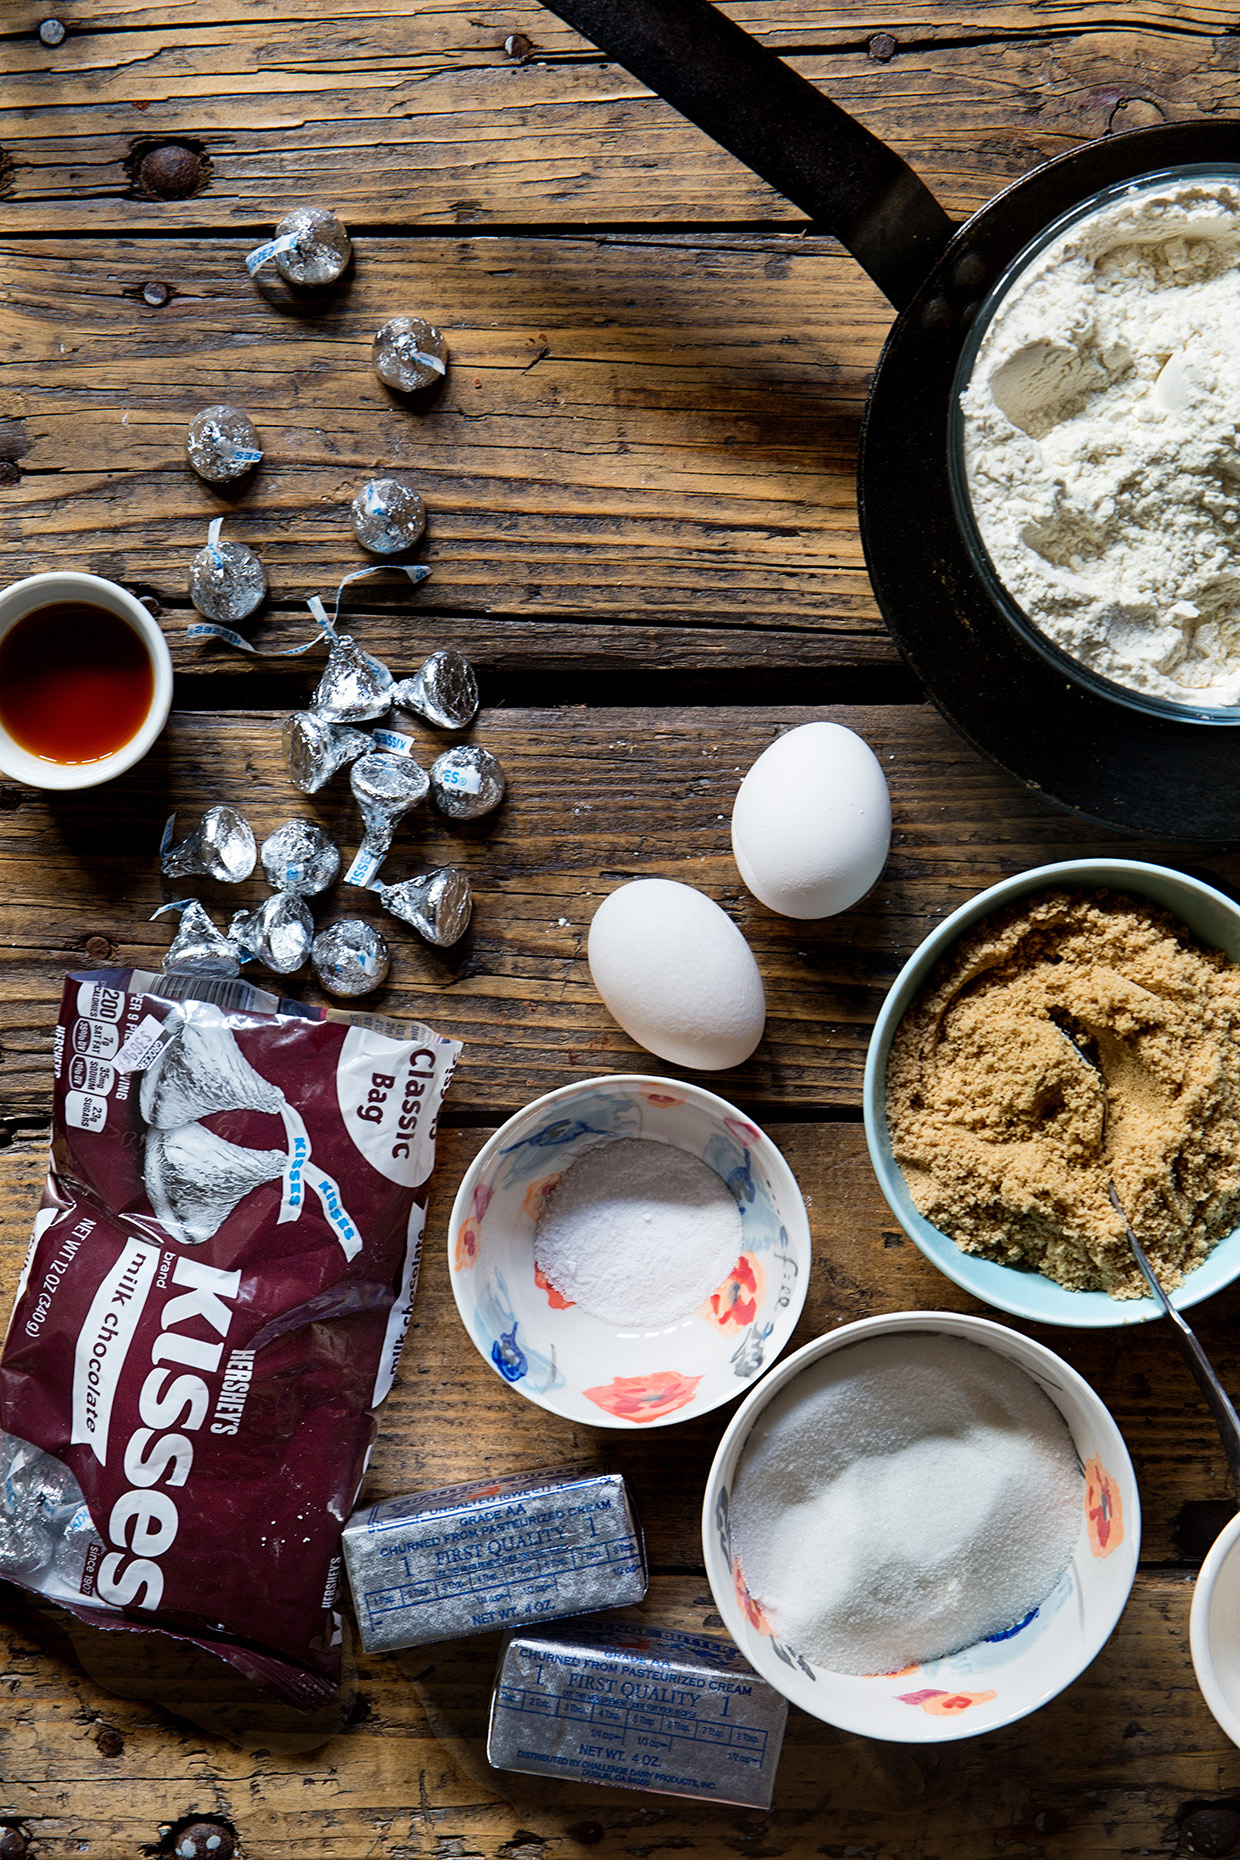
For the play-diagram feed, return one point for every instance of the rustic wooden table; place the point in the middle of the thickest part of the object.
(643, 532)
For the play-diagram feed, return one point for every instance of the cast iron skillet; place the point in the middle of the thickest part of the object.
(1095, 756)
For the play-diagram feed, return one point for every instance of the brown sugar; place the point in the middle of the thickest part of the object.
(1008, 1138)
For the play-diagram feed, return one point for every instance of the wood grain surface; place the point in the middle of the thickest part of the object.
(597, 796)
(643, 530)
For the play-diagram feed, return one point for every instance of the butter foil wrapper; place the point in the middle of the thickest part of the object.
(492, 1555)
(638, 1708)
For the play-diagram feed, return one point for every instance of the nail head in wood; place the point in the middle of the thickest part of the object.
(156, 293)
(1212, 1831)
(171, 172)
(51, 31)
(882, 47)
(204, 1840)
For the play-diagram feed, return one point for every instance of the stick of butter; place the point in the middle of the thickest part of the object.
(495, 1554)
(640, 1708)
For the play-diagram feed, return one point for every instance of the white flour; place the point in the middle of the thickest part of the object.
(1101, 441)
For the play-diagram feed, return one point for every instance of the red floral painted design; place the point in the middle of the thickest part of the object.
(537, 1192)
(662, 1100)
(555, 1299)
(944, 1704)
(745, 1134)
(644, 1398)
(465, 1252)
(735, 1305)
(1104, 1509)
(752, 1611)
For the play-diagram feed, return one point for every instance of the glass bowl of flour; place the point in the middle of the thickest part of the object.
(1095, 443)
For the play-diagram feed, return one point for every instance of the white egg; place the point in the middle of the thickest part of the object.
(677, 974)
(811, 826)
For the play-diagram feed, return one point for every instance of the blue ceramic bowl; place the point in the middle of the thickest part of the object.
(1211, 917)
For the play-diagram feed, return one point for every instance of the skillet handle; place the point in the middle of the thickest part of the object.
(779, 125)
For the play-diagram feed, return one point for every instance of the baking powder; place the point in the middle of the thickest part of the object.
(1100, 432)
(638, 1232)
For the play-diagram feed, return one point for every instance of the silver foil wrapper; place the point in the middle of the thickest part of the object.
(409, 354)
(226, 582)
(354, 686)
(350, 957)
(300, 857)
(278, 934)
(198, 948)
(221, 846)
(221, 444)
(443, 691)
(385, 788)
(466, 782)
(315, 748)
(490, 1555)
(319, 248)
(437, 904)
(388, 516)
(637, 1708)
(46, 1530)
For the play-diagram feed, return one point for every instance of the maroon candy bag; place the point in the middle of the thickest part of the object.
(213, 1306)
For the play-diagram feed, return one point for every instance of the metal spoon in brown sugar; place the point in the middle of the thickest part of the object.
(1217, 1399)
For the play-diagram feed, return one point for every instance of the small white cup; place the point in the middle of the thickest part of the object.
(1214, 1630)
(60, 585)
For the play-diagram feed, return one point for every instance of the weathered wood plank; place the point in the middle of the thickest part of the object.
(474, 32)
(374, 117)
(708, 662)
(408, 1777)
(648, 430)
(596, 796)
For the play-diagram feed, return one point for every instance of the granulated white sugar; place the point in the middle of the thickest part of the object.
(903, 1498)
(638, 1233)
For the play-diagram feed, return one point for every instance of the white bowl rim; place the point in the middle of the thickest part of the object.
(797, 1217)
(1224, 1713)
(981, 1330)
(953, 1264)
(22, 597)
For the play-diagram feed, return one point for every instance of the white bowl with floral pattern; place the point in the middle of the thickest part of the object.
(579, 1366)
(997, 1680)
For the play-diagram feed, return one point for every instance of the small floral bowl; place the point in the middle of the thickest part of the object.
(579, 1366)
(995, 1681)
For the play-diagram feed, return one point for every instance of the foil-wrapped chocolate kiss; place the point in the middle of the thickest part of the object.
(221, 846)
(443, 691)
(437, 904)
